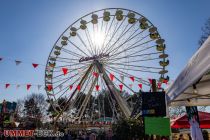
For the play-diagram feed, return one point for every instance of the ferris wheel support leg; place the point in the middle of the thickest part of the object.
(68, 101)
(85, 102)
(122, 104)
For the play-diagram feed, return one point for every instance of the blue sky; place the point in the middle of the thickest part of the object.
(29, 28)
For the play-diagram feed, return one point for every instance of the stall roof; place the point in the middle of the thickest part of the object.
(193, 78)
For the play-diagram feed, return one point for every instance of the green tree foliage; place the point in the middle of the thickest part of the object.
(128, 129)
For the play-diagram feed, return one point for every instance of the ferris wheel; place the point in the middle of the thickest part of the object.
(99, 60)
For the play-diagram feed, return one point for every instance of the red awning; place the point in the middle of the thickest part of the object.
(182, 122)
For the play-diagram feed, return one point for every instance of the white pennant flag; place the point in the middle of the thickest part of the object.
(122, 78)
(131, 85)
(17, 62)
(60, 87)
(17, 86)
(39, 86)
(101, 74)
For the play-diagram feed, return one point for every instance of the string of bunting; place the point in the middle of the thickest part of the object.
(18, 62)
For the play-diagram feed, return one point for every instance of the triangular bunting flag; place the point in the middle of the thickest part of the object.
(28, 86)
(49, 87)
(97, 87)
(39, 86)
(95, 74)
(140, 86)
(71, 86)
(150, 81)
(35, 65)
(111, 76)
(131, 85)
(159, 85)
(78, 87)
(7, 85)
(165, 81)
(122, 78)
(60, 87)
(17, 62)
(17, 86)
(132, 78)
(65, 71)
(121, 87)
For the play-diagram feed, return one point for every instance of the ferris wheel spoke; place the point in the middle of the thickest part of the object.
(71, 60)
(150, 59)
(130, 38)
(122, 34)
(135, 56)
(131, 47)
(107, 47)
(122, 68)
(89, 40)
(72, 53)
(75, 64)
(91, 53)
(73, 69)
(114, 51)
(77, 47)
(106, 34)
(125, 74)
(122, 83)
(66, 79)
(138, 66)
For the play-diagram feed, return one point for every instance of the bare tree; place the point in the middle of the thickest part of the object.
(205, 32)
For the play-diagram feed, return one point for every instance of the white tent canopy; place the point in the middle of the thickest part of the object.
(182, 92)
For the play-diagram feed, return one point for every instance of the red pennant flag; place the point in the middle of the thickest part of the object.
(158, 85)
(65, 71)
(165, 81)
(71, 86)
(150, 81)
(111, 76)
(7, 85)
(28, 86)
(140, 86)
(97, 87)
(49, 87)
(78, 87)
(35, 65)
(121, 87)
(132, 78)
(95, 74)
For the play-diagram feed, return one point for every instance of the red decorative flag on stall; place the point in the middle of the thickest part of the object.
(65, 71)
(111, 76)
(121, 87)
(71, 86)
(97, 87)
(165, 81)
(95, 74)
(28, 86)
(132, 78)
(35, 65)
(78, 87)
(150, 81)
(49, 87)
(140, 86)
(7, 85)
(159, 85)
